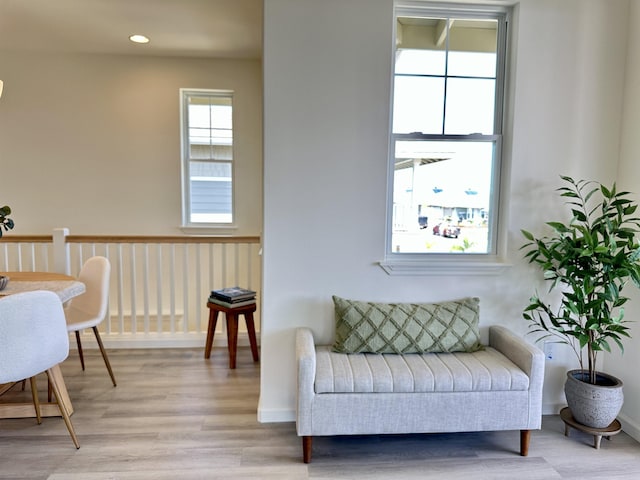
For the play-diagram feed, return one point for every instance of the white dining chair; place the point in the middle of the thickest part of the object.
(34, 339)
(89, 309)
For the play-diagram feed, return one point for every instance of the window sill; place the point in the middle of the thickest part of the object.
(444, 266)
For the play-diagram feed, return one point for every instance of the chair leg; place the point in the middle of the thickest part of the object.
(104, 355)
(36, 400)
(80, 349)
(63, 409)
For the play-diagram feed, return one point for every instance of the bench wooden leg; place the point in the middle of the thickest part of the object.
(525, 436)
(306, 448)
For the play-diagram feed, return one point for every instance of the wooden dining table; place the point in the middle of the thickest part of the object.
(66, 287)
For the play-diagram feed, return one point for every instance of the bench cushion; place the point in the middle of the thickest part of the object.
(482, 371)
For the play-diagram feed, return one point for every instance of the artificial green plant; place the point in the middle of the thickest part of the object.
(589, 260)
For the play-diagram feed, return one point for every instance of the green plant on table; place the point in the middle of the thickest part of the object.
(5, 221)
(589, 259)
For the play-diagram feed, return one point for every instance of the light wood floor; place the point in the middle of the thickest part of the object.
(176, 416)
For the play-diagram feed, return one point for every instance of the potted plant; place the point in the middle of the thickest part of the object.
(5, 221)
(589, 260)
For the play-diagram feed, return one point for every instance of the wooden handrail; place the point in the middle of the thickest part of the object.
(161, 239)
(27, 238)
(132, 239)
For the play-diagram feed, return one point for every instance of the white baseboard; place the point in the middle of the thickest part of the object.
(275, 415)
(552, 408)
(630, 427)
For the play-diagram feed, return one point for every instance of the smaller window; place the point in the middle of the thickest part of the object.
(207, 157)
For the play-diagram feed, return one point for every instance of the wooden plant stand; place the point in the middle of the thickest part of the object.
(598, 433)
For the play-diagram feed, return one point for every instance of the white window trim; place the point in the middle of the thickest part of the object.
(423, 264)
(446, 266)
(187, 226)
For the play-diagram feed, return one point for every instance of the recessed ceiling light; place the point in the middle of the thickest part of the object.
(139, 39)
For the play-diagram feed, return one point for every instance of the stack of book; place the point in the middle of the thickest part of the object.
(231, 297)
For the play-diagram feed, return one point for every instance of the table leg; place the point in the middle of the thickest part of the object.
(47, 409)
(232, 337)
(36, 400)
(211, 330)
(251, 329)
(6, 387)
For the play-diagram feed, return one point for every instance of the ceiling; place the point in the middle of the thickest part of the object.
(183, 28)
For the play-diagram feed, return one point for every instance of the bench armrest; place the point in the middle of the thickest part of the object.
(306, 364)
(529, 358)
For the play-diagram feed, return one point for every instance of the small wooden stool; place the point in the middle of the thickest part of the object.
(232, 329)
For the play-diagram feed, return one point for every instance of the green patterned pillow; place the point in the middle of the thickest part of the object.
(407, 327)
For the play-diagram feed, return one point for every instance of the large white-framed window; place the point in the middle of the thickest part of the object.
(207, 157)
(446, 138)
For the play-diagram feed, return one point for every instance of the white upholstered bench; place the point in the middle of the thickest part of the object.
(497, 388)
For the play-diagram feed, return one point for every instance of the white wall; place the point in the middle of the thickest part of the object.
(327, 68)
(92, 142)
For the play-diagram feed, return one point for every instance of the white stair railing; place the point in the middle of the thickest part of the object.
(159, 285)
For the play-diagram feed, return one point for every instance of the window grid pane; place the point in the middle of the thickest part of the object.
(418, 105)
(469, 106)
(471, 64)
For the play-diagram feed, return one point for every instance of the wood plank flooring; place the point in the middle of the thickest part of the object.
(175, 415)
